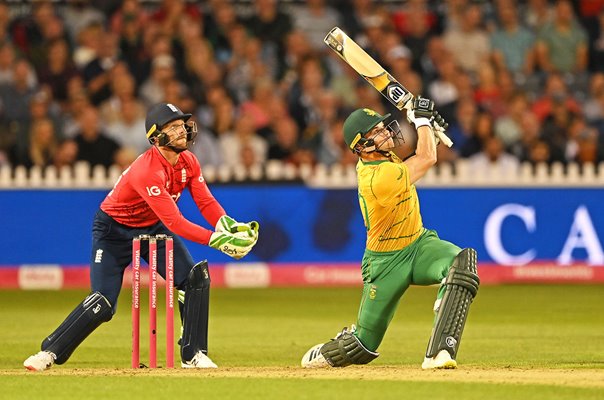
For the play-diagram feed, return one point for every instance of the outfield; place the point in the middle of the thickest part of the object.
(521, 342)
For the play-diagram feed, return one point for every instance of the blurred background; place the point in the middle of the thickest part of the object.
(521, 84)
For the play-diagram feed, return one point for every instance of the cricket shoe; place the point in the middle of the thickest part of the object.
(313, 358)
(200, 360)
(442, 360)
(41, 361)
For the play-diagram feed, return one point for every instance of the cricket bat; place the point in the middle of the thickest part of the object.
(373, 72)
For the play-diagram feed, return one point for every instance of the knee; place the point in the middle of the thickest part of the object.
(464, 271)
(199, 276)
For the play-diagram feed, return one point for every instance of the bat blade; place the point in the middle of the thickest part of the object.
(368, 68)
(372, 72)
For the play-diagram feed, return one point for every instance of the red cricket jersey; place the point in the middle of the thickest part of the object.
(148, 190)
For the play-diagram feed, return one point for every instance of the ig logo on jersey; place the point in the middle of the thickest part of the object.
(153, 191)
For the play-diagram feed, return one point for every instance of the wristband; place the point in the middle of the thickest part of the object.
(421, 122)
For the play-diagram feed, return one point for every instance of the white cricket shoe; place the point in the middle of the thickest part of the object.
(442, 360)
(41, 361)
(313, 358)
(199, 361)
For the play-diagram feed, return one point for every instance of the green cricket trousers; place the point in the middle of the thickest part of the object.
(387, 275)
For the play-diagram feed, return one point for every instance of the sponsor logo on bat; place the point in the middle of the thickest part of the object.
(396, 93)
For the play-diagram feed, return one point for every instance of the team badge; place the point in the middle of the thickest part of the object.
(372, 292)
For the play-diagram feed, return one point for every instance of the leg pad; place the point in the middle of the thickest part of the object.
(196, 312)
(461, 287)
(83, 320)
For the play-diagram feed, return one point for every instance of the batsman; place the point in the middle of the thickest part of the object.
(144, 202)
(400, 251)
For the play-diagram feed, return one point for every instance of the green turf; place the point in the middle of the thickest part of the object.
(511, 328)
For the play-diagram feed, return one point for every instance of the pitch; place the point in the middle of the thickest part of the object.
(524, 342)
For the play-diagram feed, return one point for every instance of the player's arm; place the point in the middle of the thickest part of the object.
(207, 204)
(152, 189)
(421, 115)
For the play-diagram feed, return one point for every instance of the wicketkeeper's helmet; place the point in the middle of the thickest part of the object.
(159, 115)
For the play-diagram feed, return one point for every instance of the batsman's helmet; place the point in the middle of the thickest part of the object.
(158, 116)
(357, 125)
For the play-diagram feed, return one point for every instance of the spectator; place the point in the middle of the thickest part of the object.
(596, 45)
(94, 146)
(483, 130)
(271, 25)
(78, 15)
(128, 23)
(443, 90)
(333, 149)
(126, 126)
(555, 92)
(42, 145)
(555, 127)
(562, 43)
(207, 149)
(241, 69)
(66, 154)
(218, 24)
(469, 45)
(417, 30)
(201, 71)
(7, 61)
(508, 126)
(123, 88)
(87, 45)
(512, 45)
(169, 13)
(15, 97)
(582, 142)
(530, 134)
(97, 73)
(234, 143)
(487, 93)
(538, 14)
(58, 70)
(303, 106)
(260, 104)
(493, 155)
(593, 108)
(283, 144)
(315, 18)
(152, 91)
(461, 127)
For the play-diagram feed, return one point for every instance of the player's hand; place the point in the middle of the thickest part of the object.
(235, 245)
(420, 112)
(228, 224)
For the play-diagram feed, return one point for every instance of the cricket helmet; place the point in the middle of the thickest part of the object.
(357, 125)
(161, 114)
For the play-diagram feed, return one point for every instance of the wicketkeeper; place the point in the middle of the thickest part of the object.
(144, 201)
(400, 252)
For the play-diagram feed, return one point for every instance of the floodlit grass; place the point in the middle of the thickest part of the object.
(521, 342)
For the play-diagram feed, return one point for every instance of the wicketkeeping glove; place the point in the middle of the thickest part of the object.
(233, 245)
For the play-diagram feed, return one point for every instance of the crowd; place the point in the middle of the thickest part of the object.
(516, 80)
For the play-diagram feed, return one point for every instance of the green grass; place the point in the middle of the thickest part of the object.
(524, 342)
